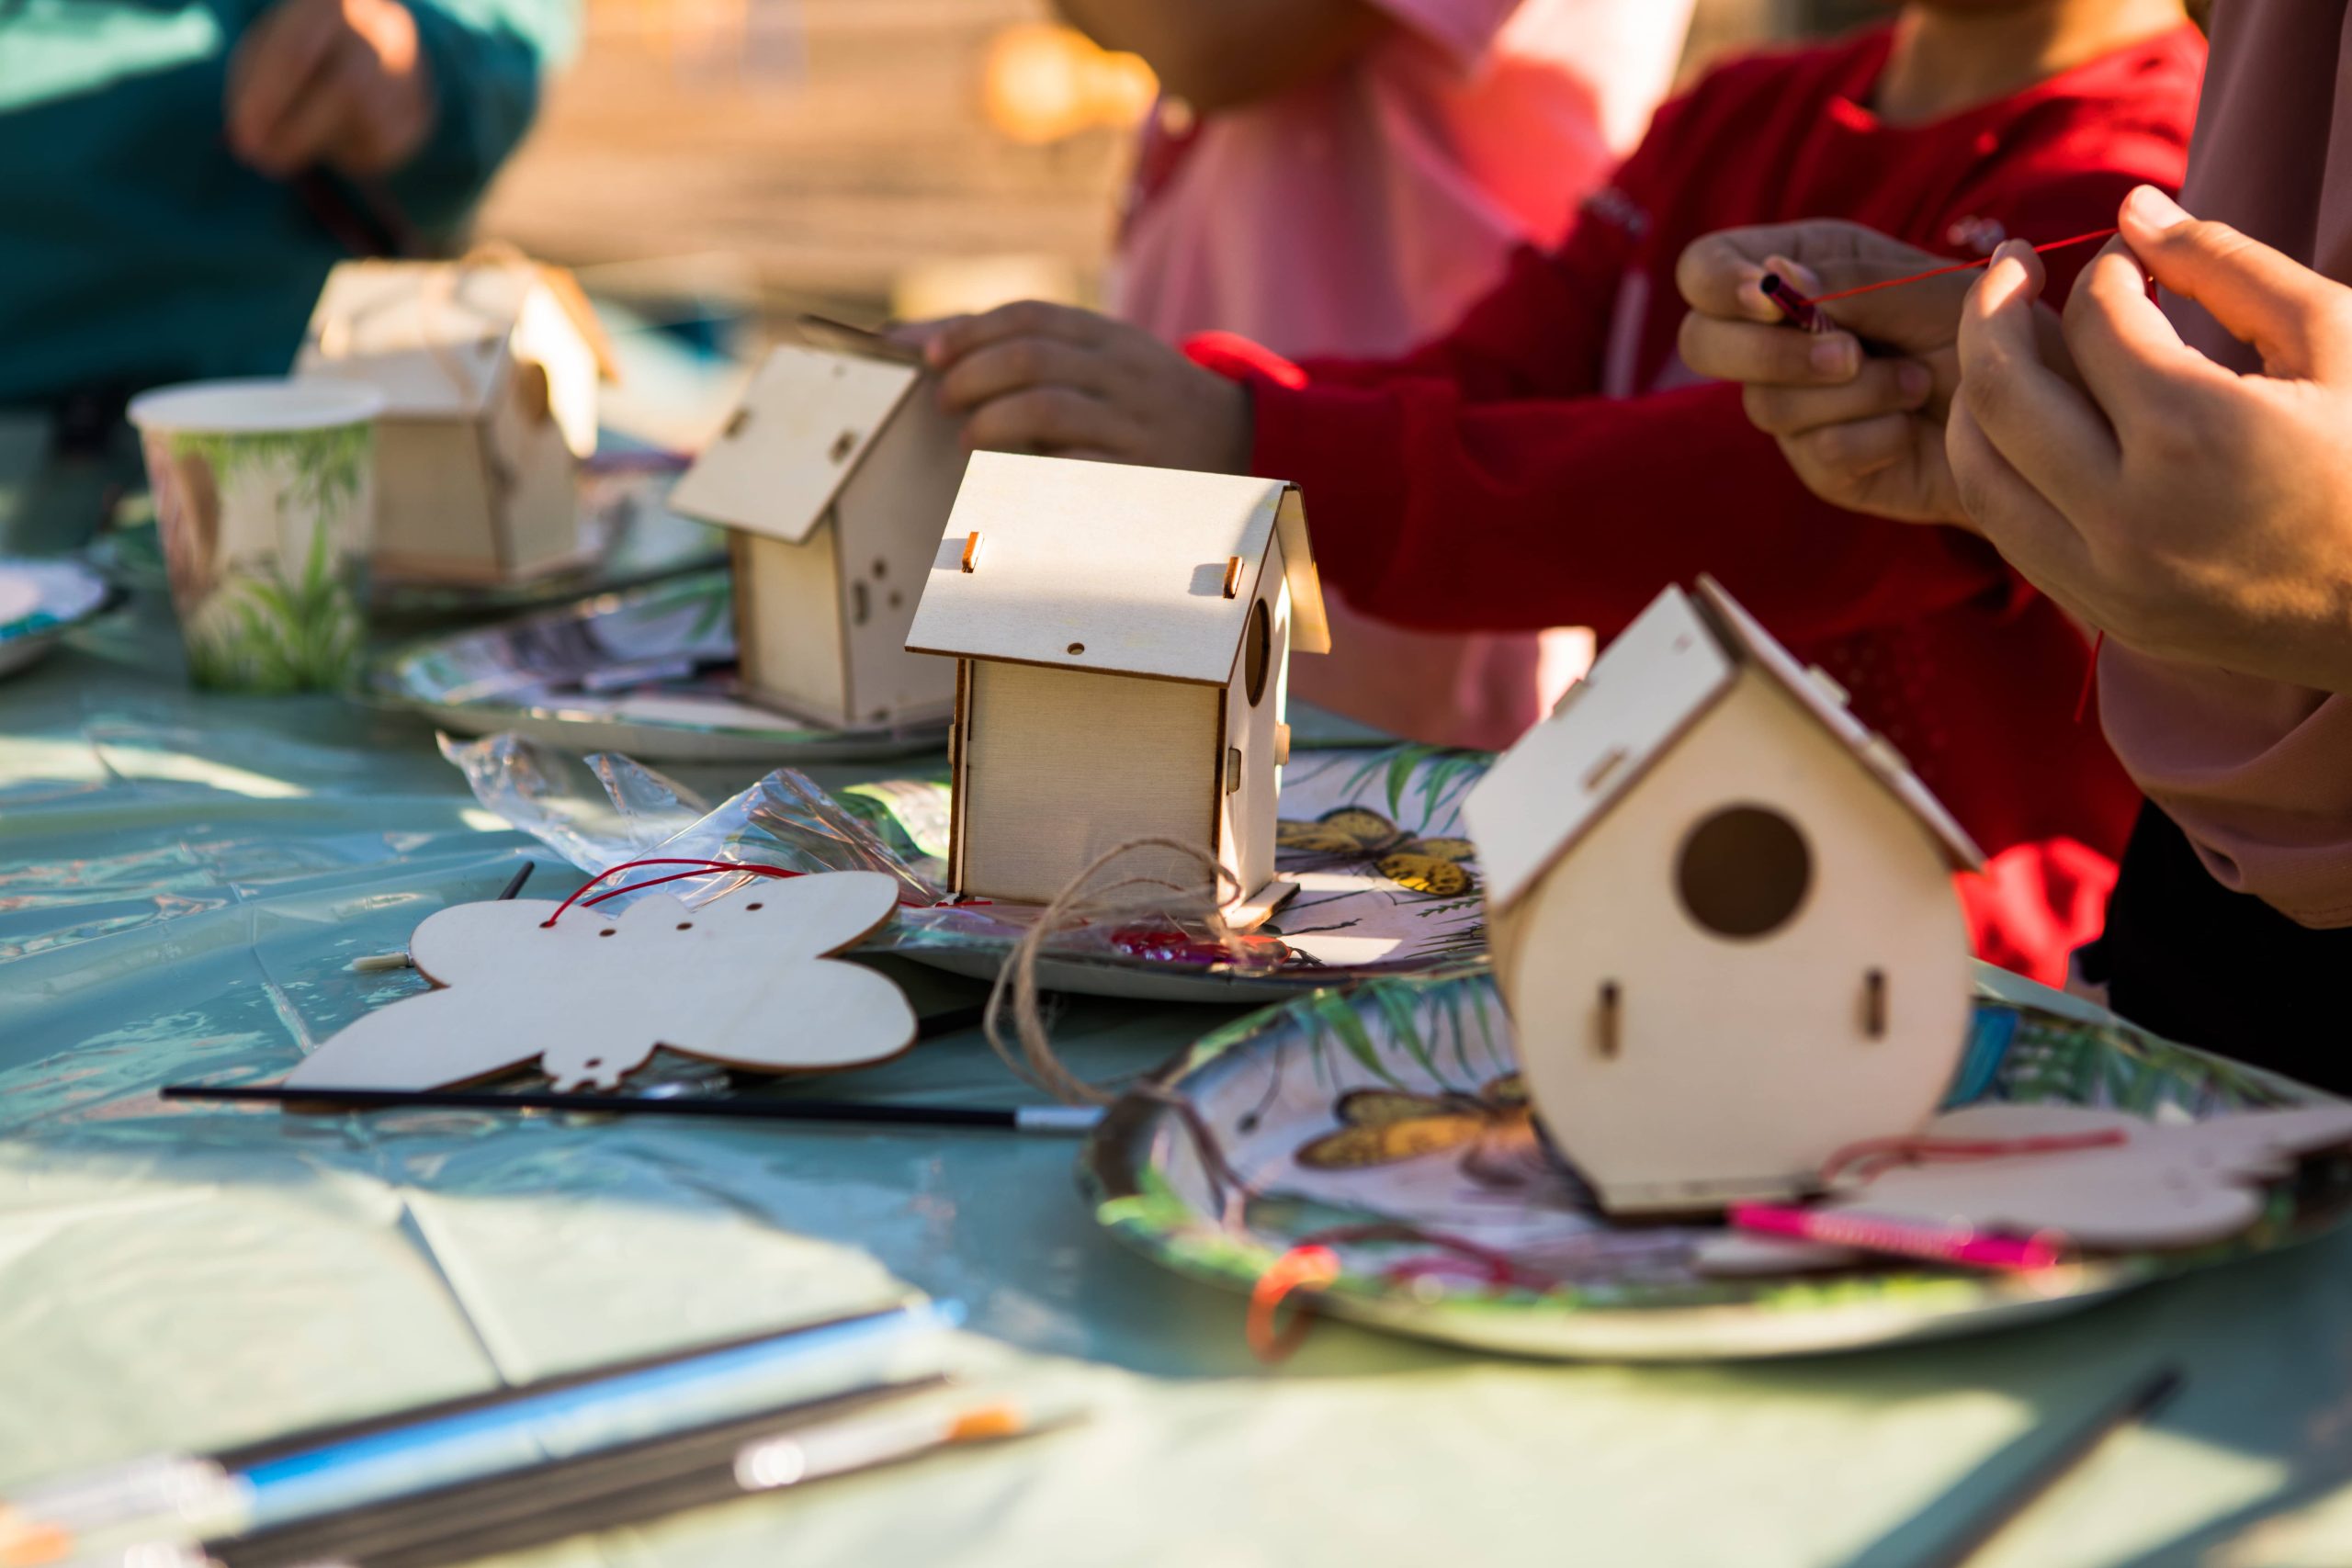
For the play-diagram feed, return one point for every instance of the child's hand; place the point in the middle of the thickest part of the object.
(2193, 513)
(336, 82)
(1068, 383)
(1864, 431)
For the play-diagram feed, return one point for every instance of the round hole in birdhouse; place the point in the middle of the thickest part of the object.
(1077, 647)
(685, 925)
(606, 931)
(593, 1061)
(1257, 653)
(1743, 871)
(749, 907)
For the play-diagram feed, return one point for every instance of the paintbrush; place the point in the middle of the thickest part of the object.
(376, 962)
(667, 1476)
(323, 1100)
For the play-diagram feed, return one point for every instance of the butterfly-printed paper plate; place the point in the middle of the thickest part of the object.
(40, 600)
(1394, 1111)
(1387, 886)
(649, 671)
(628, 536)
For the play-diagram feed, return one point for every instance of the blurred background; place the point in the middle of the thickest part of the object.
(723, 163)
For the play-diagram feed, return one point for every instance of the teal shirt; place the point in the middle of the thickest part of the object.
(135, 250)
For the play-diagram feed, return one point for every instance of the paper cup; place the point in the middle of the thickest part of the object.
(264, 500)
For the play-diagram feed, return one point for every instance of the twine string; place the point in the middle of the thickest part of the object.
(1087, 900)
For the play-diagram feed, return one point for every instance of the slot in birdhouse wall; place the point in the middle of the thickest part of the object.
(1777, 1022)
(789, 631)
(888, 522)
(1054, 767)
(1253, 710)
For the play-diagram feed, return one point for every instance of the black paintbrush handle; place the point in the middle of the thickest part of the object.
(743, 1110)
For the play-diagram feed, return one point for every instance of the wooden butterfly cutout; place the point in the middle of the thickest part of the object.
(743, 979)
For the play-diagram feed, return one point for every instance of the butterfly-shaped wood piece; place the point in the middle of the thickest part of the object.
(1439, 867)
(2162, 1185)
(743, 979)
(1494, 1128)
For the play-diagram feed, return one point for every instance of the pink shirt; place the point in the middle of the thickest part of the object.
(1360, 214)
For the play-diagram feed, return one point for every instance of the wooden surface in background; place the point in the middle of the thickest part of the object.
(831, 161)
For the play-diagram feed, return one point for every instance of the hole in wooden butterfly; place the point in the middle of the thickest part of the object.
(593, 1061)
(749, 907)
(606, 931)
(1077, 647)
(685, 925)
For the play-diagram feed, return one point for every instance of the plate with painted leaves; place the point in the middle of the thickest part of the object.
(1388, 1123)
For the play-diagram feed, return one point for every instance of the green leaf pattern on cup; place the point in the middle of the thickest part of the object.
(287, 619)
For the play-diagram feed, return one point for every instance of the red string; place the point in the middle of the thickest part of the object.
(1882, 1152)
(1301, 1265)
(1311, 1264)
(1958, 267)
(706, 867)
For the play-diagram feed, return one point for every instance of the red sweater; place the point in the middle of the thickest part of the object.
(1551, 461)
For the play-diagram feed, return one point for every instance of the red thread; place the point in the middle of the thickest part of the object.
(1880, 1153)
(1959, 266)
(2090, 679)
(1303, 1266)
(706, 868)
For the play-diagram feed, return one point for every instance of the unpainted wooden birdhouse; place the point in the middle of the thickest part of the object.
(1722, 914)
(834, 479)
(488, 371)
(1122, 639)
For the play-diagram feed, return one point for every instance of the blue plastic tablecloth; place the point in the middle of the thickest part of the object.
(183, 879)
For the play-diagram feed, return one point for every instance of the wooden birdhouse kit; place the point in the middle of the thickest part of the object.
(1121, 637)
(489, 373)
(834, 479)
(1722, 915)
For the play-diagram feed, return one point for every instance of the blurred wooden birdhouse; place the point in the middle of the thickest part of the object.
(489, 372)
(1122, 638)
(834, 479)
(1722, 914)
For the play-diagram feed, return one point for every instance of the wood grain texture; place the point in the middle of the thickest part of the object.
(1744, 1064)
(805, 427)
(788, 630)
(888, 520)
(741, 979)
(1097, 566)
(1057, 766)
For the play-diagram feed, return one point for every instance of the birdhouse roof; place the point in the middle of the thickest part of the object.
(435, 337)
(806, 423)
(1656, 682)
(1103, 566)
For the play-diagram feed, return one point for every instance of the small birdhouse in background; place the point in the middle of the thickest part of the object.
(1122, 638)
(1722, 914)
(833, 478)
(489, 372)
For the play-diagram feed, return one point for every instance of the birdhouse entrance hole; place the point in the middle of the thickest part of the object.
(1257, 653)
(1743, 872)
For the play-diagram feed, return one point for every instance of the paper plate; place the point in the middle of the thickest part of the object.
(1446, 1146)
(1388, 885)
(628, 536)
(648, 672)
(40, 600)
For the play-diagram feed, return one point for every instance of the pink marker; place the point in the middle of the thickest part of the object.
(1902, 1238)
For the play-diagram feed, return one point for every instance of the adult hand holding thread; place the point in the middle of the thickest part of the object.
(1862, 428)
(2192, 513)
(341, 83)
